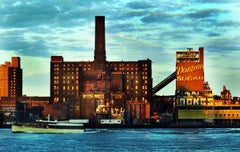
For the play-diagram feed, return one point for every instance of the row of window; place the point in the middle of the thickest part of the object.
(55, 87)
(71, 92)
(89, 68)
(72, 65)
(127, 64)
(227, 115)
(57, 99)
(136, 87)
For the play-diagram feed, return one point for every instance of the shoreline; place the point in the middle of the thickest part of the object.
(140, 126)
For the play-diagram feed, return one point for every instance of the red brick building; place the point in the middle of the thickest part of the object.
(101, 87)
(11, 78)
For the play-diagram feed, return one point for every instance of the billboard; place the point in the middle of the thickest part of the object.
(190, 71)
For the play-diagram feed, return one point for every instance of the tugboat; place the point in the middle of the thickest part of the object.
(51, 127)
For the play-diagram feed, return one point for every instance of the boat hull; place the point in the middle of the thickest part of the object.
(39, 130)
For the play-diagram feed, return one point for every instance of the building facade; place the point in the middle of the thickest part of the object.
(195, 102)
(101, 88)
(21, 109)
(11, 78)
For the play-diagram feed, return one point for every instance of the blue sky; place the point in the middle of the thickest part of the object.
(135, 30)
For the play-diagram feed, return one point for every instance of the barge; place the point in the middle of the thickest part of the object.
(45, 127)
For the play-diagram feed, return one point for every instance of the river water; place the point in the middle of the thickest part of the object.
(160, 139)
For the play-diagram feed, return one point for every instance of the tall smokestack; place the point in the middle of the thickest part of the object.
(99, 52)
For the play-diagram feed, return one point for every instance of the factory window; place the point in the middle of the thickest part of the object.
(55, 82)
(56, 99)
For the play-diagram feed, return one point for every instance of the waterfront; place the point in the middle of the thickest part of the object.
(159, 139)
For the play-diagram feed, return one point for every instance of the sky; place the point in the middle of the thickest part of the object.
(135, 30)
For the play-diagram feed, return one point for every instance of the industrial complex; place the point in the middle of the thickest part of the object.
(119, 92)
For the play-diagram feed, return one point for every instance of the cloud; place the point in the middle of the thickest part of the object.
(205, 13)
(122, 27)
(228, 23)
(157, 17)
(211, 1)
(213, 34)
(224, 45)
(12, 41)
(38, 12)
(140, 5)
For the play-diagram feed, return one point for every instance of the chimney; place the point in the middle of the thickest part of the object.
(99, 52)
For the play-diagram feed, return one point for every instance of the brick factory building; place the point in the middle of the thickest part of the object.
(101, 88)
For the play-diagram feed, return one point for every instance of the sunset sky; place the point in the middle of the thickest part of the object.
(135, 30)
